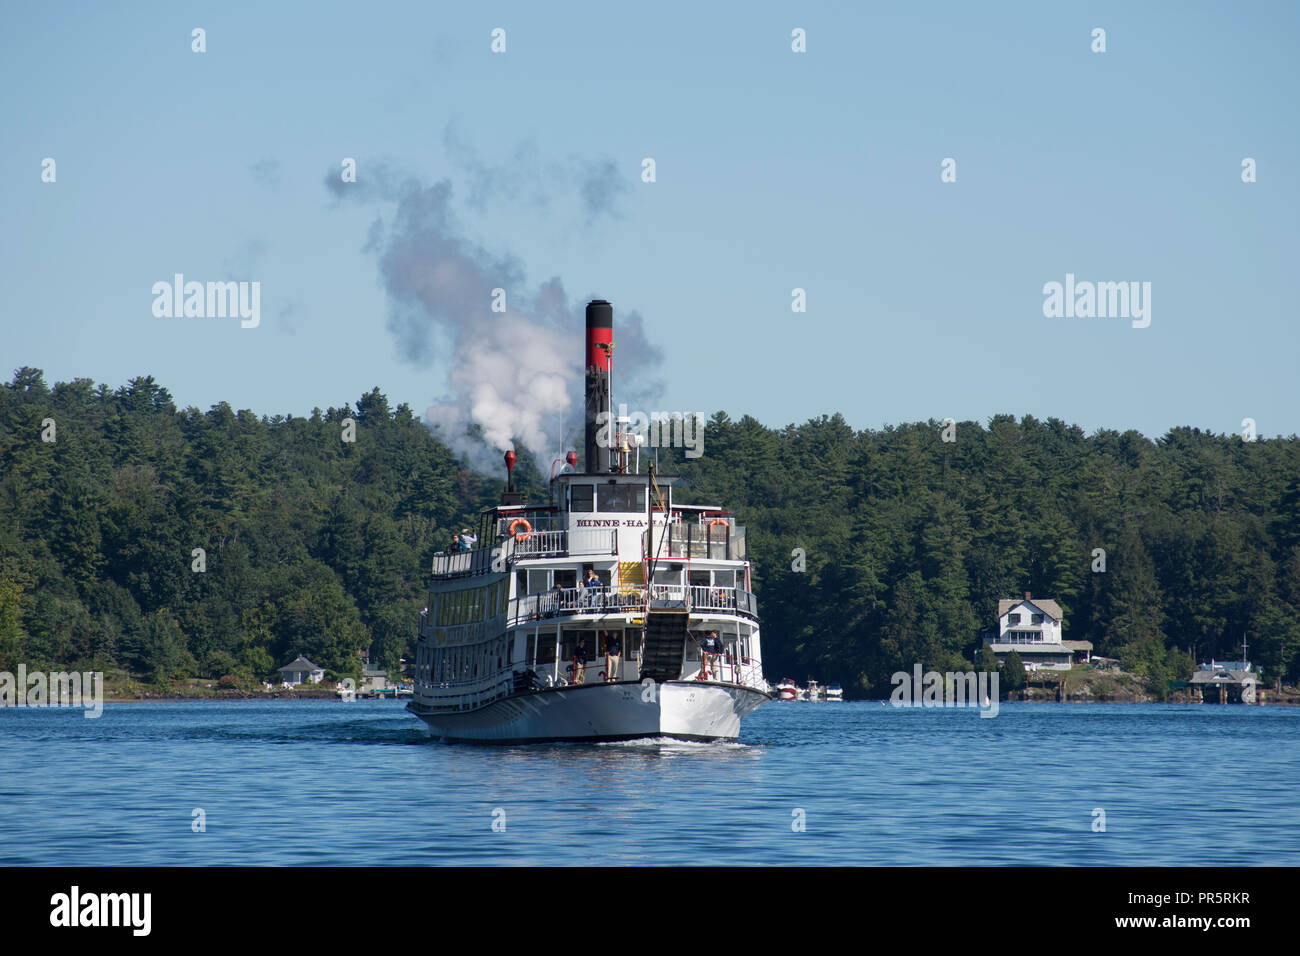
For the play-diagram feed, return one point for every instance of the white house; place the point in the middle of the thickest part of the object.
(1032, 628)
(302, 670)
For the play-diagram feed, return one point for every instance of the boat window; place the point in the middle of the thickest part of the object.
(668, 577)
(724, 579)
(570, 641)
(537, 582)
(546, 647)
(621, 498)
(700, 579)
(566, 579)
(581, 498)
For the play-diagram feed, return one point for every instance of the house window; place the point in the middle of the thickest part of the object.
(1036, 619)
(1013, 619)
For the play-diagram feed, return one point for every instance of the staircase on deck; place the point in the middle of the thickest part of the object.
(665, 642)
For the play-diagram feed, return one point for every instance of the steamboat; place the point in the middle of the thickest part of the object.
(611, 613)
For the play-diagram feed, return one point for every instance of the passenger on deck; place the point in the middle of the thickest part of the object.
(591, 585)
(711, 645)
(580, 658)
(613, 651)
(557, 595)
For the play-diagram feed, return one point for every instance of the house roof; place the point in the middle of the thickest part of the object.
(1077, 645)
(1224, 677)
(301, 664)
(1050, 608)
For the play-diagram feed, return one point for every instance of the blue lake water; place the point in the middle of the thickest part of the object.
(326, 782)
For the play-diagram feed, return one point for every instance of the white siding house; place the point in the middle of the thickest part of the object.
(1032, 628)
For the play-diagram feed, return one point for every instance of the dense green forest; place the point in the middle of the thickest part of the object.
(315, 545)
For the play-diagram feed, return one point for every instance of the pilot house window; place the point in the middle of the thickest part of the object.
(581, 498)
(621, 498)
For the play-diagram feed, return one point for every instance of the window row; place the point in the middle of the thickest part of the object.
(622, 499)
(450, 664)
(470, 605)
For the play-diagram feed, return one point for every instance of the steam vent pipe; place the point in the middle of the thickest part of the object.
(600, 347)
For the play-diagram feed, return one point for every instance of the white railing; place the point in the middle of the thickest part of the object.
(547, 544)
(701, 598)
(727, 669)
(526, 544)
(564, 602)
(539, 544)
(454, 563)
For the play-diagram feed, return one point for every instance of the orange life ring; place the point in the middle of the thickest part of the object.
(527, 528)
(721, 521)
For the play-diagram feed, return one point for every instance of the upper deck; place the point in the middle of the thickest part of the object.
(621, 518)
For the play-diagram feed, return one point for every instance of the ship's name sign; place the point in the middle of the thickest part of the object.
(611, 523)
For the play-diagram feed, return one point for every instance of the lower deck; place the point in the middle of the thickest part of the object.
(557, 651)
(603, 712)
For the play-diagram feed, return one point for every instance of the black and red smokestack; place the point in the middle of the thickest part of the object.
(600, 349)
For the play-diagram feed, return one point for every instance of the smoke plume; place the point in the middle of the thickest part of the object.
(515, 375)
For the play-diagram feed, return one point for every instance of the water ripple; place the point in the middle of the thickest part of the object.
(325, 783)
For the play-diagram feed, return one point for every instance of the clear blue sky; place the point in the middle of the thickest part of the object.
(775, 170)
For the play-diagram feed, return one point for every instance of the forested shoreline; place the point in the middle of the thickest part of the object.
(314, 545)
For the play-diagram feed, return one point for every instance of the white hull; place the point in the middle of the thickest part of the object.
(683, 710)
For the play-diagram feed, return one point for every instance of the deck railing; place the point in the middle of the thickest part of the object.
(567, 602)
(550, 544)
(451, 564)
(535, 544)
